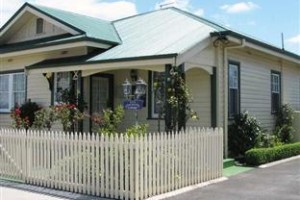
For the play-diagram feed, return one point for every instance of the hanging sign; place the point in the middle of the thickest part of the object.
(136, 104)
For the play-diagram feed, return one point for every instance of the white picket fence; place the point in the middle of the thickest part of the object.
(118, 166)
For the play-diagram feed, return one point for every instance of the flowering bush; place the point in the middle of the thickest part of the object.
(23, 117)
(68, 115)
(18, 121)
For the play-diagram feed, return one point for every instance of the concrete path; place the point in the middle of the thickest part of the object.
(280, 182)
(20, 191)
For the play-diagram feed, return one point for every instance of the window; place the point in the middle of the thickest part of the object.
(62, 82)
(234, 90)
(39, 25)
(275, 91)
(157, 93)
(12, 91)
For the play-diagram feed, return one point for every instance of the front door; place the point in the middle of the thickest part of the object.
(101, 94)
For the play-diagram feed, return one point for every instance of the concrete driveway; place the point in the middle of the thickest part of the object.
(280, 182)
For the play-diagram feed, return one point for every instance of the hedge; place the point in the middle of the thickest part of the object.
(264, 155)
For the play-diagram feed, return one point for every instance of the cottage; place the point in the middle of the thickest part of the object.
(45, 50)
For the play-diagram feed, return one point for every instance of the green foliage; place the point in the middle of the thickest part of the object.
(45, 118)
(178, 101)
(265, 140)
(264, 155)
(110, 120)
(283, 126)
(242, 134)
(137, 130)
(23, 117)
(66, 114)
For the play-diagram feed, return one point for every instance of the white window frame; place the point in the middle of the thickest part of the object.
(11, 91)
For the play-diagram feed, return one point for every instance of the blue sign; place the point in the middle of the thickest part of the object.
(133, 104)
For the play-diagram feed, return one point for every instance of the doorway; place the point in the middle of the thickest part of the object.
(101, 94)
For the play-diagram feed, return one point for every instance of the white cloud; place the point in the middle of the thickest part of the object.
(293, 44)
(8, 8)
(294, 40)
(239, 7)
(199, 12)
(181, 4)
(101, 9)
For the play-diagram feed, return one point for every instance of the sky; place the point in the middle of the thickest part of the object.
(261, 19)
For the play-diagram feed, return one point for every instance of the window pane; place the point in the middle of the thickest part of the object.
(233, 85)
(233, 102)
(4, 92)
(233, 76)
(18, 97)
(62, 82)
(158, 88)
(4, 81)
(39, 25)
(19, 82)
(275, 83)
(275, 102)
(4, 100)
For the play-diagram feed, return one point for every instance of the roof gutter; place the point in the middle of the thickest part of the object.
(260, 46)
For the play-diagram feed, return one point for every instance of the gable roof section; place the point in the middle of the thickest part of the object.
(88, 26)
(163, 32)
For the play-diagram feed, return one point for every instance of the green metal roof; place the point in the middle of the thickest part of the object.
(167, 31)
(90, 26)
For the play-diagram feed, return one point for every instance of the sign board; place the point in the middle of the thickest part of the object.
(133, 104)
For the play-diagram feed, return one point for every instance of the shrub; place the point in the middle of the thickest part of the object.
(242, 134)
(264, 155)
(45, 118)
(137, 130)
(283, 126)
(24, 116)
(110, 120)
(264, 140)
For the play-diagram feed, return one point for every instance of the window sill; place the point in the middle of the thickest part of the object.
(155, 118)
(4, 112)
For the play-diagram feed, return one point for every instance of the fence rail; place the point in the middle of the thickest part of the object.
(118, 166)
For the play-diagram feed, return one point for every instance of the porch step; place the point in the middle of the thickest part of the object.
(229, 162)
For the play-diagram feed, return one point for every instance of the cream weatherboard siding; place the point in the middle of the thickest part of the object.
(255, 75)
(198, 82)
(28, 31)
(291, 83)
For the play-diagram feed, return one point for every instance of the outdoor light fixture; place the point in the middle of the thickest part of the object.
(133, 101)
(140, 88)
(127, 89)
